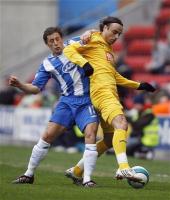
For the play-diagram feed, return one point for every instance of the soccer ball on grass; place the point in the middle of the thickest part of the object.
(143, 174)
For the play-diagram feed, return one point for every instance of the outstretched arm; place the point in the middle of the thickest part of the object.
(25, 87)
(122, 81)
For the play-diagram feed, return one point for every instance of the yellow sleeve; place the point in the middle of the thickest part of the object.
(122, 81)
(72, 53)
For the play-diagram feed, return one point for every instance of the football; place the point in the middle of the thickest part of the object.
(143, 174)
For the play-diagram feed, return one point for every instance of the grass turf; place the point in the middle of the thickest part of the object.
(51, 184)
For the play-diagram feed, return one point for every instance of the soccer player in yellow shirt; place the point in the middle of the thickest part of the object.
(97, 55)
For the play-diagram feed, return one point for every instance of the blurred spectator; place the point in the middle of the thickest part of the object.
(160, 62)
(161, 95)
(162, 105)
(167, 62)
(162, 108)
(32, 101)
(123, 68)
(144, 130)
(167, 89)
(9, 95)
(44, 99)
(49, 99)
(125, 71)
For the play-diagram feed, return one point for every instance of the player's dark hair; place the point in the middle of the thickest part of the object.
(109, 20)
(51, 30)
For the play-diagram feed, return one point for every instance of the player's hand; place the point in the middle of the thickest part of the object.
(88, 69)
(85, 37)
(13, 81)
(146, 86)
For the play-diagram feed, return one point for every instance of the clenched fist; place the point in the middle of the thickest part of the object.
(13, 81)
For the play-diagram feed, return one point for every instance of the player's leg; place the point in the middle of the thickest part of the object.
(106, 142)
(55, 127)
(119, 140)
(119, 144)
(87, 120)
(102, 145)
(39, 151)
(90, 152)
(112, 112)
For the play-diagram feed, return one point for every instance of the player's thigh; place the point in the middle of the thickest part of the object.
(62, 115)
(106, 127)
(86, 115)
(109, 107)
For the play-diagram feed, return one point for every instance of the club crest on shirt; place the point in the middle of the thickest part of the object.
(110, 57)
(68, 67)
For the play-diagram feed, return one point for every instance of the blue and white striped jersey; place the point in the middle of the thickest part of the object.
(70, 77)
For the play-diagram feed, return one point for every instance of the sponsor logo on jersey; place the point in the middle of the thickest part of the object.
(68, 67)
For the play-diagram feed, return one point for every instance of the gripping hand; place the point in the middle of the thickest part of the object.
(88, 69)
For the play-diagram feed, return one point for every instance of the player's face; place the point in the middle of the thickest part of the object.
(55, 43)
(112, 32)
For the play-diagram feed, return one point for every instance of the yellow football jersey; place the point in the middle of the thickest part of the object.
(104, 81)
(100, 55)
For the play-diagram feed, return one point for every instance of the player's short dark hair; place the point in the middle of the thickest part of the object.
(109, 20)
(51, 30)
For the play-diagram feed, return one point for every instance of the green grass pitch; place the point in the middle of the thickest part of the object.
(51, 184)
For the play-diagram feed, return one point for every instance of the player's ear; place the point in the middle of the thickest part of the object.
(105, 27)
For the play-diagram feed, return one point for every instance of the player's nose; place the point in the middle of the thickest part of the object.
(55, 42)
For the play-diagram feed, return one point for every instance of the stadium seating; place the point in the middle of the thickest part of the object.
(139, 32)
(165, 4)
(138, 41)
(140, 47)
(118, 46)
(137, 63)
(163, 17)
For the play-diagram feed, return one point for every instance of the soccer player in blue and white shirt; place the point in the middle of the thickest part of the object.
(74, 105)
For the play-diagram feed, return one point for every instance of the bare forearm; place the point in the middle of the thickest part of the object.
(25, 87)
(29, 88)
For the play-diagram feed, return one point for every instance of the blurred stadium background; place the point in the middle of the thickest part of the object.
(22, 22)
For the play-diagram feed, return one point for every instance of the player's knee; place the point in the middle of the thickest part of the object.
(120, 122)
(52, 132)
(49, 137)
(91, 128)
(90, 138)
